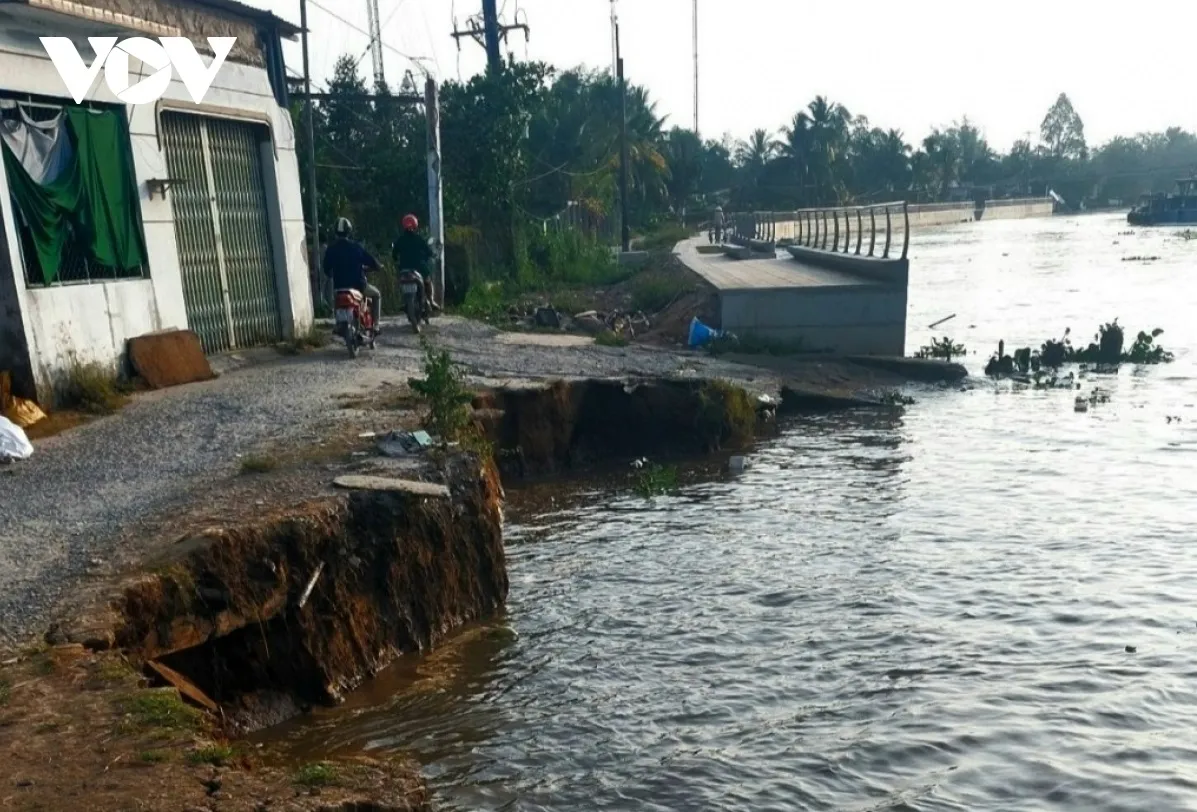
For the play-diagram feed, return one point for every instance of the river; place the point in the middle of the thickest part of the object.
(988, 602)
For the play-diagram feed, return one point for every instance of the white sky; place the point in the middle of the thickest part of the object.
(910, 65)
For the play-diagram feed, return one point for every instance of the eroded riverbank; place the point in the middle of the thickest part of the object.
(263, 594)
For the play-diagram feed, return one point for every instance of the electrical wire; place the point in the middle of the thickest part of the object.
(415, 60)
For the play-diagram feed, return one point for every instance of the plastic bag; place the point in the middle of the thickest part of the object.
(701, 334)
(14, 445)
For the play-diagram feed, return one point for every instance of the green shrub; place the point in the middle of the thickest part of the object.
(444, 390)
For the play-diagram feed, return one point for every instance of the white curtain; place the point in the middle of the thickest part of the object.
(42, 147)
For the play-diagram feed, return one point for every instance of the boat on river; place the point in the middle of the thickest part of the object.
(1180, 207)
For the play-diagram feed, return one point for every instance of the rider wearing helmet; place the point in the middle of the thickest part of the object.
(412, 252)
(346, 263)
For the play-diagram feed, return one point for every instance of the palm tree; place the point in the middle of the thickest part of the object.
(796, 149)
(829, 139)
(757, 151)
(754, 157)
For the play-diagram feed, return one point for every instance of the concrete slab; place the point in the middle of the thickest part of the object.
(727, 274)
(378, 483)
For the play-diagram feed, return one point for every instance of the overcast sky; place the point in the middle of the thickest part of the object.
(909, 65)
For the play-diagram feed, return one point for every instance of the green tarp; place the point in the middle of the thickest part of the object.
(95, 197)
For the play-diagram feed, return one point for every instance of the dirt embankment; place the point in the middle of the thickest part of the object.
(259, 612)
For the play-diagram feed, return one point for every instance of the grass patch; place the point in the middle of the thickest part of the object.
(607, 338)
(754, 345)
(44, 665)
(90, 387)
(257, 464)
(162, 709)
(665, 238)
(652, 294)
(218, 755)
(726, 413)
(153, 756)
(656, 480)
(320, 774)
(313, 339)
(115, 670)
(5, 691)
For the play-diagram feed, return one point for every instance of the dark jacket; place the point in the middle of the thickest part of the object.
(345, 263)
(411, 252)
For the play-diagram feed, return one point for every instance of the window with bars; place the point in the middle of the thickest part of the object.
(76, 266)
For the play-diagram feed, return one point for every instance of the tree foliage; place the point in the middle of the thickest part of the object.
(529, 148)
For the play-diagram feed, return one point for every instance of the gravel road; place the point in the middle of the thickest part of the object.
(62, 512)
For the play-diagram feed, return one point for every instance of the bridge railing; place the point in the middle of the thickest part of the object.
(745, 227)
(863, 231)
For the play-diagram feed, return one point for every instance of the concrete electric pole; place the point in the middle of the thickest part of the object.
(488, 31)
(625, 232)
(696, 131)
(375, 42)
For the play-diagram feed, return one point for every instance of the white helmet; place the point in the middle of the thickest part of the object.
(344, 227)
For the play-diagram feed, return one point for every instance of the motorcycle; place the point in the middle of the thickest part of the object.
(354, 322)
(415, 302)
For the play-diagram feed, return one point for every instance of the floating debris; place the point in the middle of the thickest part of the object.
(1082, 404)
(1140, 259)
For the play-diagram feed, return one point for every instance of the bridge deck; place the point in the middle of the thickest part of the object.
(727, 274)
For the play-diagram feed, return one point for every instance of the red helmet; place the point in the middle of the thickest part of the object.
(410, 222)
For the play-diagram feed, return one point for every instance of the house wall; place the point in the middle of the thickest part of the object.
(14, 355)
(94, 321)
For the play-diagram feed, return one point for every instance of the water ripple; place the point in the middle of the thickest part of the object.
(922, 613)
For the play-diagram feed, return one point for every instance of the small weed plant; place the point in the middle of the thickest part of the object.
(443, 389)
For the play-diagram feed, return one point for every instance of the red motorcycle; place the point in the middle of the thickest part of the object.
(354, 323)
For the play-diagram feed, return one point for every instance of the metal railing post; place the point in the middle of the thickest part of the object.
(906, 223)
(859, 231)
(835, 245)
(847, 230)
(888, 233)
(872, 230)
(824, 245)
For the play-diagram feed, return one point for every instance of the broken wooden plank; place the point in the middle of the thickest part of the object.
(184, 686)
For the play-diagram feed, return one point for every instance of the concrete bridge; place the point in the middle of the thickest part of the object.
(836, 283)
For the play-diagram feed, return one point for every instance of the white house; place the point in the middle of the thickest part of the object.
(214, 186)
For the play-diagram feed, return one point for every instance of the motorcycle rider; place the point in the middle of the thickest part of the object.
(412, 252)
(346, 263)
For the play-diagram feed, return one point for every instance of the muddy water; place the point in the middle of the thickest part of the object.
(924, 612)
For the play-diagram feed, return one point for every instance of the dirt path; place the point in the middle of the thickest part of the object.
(65, 514)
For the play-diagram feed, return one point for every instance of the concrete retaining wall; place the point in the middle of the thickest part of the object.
(862, 320)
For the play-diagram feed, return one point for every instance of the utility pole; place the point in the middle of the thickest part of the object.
(696, 132)
(488, 30)
(375, 42)
(313, 204)
(614, 47)
(490, 21)
(624, 228)
(436, 218)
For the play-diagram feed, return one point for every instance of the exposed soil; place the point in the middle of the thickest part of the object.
(83, 730)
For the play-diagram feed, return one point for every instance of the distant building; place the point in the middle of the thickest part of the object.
(190, 215)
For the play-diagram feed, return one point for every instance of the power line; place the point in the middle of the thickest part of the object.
(416, 60)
